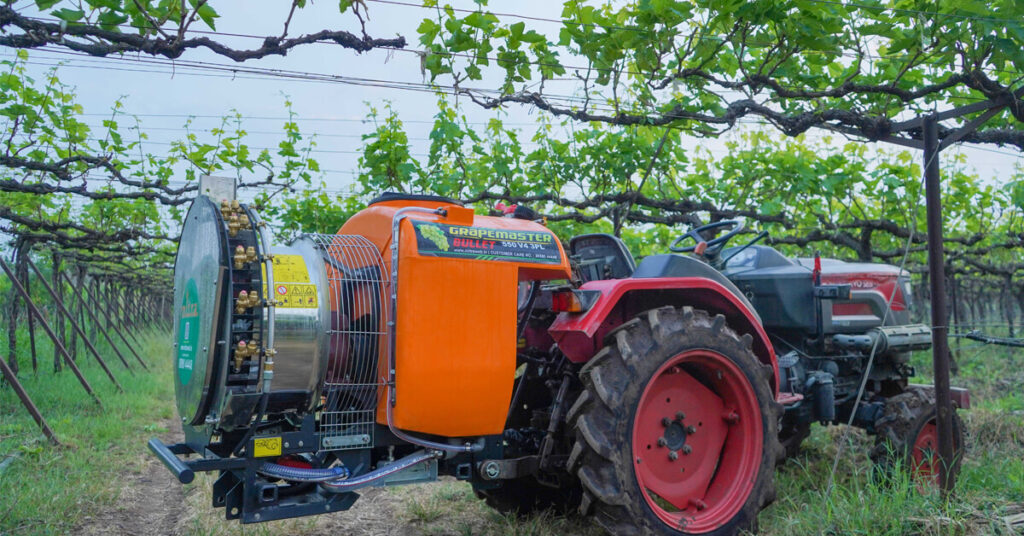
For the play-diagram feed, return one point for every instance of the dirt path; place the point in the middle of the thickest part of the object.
(151, 501)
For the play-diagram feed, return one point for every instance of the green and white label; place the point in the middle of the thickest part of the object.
(188, 332)
(486, 244)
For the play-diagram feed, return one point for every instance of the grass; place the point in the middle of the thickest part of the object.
(990, 485)
(46, 489)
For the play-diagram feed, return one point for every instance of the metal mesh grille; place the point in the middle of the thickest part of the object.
(358, 283)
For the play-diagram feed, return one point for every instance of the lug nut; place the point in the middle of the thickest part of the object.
(680, 415)
(673, 456)
(665, 422)
(687, 449)
(662, 442)
(731, 417)
(691, 429)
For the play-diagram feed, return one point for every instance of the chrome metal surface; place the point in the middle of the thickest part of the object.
(299, 339)
(197, 269)
(271, 311)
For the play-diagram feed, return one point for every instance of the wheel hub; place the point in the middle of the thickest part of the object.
(697, 440)
(675, 435)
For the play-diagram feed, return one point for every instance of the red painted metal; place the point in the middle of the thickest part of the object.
(884, 284)
(960, 396)
(580, 336)
(294, 461)
(925, 454)
(787, 399)
(709, 475)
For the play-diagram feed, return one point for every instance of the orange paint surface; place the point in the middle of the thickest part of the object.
(456, 324)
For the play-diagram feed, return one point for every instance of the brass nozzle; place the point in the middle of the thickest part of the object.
(250, 254)
(240, 257)
(242, 303)
(225, 209)
(241, 352)
(234, 225)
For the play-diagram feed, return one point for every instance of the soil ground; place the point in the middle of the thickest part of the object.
(152, 502)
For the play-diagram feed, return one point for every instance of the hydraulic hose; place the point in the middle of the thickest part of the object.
(298, 474)
(342, 486)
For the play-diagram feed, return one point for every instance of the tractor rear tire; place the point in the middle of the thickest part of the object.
(701, 465)
(526, 496)
(907, 436)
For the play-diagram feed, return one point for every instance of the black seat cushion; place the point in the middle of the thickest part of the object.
(685, 266)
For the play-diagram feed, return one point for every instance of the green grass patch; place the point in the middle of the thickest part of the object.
(46, 489)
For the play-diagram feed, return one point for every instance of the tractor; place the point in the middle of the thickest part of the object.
(424, 339)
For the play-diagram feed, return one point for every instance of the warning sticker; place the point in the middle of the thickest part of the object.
(481, 243)
(289, 268)
(295, 296)
(266, 446)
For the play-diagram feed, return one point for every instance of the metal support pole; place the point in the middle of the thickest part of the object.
(61, 309)
(114, 327)
(937, 278)
(96, 322)
(33, 310)
(31, 407)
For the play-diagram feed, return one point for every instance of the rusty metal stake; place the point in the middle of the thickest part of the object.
(33, 310)
(27, 402)
(937, 272)
(114, 326)
(127, 344)
(99, 327)
(74, 324)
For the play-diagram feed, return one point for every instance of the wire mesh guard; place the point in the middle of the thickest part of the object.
(358, 283)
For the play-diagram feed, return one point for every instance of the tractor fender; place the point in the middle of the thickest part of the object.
(581, 335)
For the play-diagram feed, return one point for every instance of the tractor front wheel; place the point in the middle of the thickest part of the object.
(676, 429)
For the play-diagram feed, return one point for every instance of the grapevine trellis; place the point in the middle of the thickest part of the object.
(99, 215)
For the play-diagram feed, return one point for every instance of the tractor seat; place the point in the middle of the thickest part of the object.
(601, 256)
(670, 265)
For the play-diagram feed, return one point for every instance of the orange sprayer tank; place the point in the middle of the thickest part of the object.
(456, 311)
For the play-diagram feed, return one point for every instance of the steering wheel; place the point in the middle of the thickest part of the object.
(715, 245)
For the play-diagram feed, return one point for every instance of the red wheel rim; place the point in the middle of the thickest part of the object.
(925, 455)
(697, 441)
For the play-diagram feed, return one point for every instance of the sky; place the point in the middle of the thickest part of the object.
(164, 95)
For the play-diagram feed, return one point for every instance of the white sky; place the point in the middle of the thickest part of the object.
(333, 111)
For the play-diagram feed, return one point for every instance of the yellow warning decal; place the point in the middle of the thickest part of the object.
(295, 296)
(289, 269)
(266, 446)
